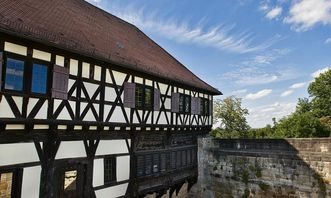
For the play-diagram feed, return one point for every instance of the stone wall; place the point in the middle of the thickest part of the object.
(263, 168)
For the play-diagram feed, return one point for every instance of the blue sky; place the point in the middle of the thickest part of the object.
(265, 52)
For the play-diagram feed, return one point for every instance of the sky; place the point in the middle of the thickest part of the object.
(263, 51)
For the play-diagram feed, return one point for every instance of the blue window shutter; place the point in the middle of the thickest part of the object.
(60, 82)
(129, 95)
(175, 102)
(156, 100)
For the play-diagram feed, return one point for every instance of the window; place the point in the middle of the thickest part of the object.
(144, 97)
(148, 164)
(109, 169)
(70, 180)
(22, 75)
(14, 74)
(6, 183)
(151, 164)
(204, 106)
(10, 183)
(39, 79)
(184, 103)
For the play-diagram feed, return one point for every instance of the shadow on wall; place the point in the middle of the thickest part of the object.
(263, 168)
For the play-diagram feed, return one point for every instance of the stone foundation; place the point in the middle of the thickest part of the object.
(264, 168)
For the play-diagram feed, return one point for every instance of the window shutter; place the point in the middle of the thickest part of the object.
(193, 105)
(175, 102)
(60, 82)
(198, 106)
(1, 65)
(129, 95)
(210, 107)
(156, 100)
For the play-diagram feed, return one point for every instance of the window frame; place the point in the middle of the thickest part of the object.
(183, 110)
(7, 56)
(27, 74)
(48, 84)
(143, 105)
(204, 110)
(113, 176)
(17, 179)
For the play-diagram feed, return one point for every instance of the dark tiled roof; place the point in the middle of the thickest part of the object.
(80, 27)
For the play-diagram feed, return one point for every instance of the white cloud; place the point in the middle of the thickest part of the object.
(287, 93)
(259, 94)
(292, 88)
(304, 14)
(319, 72)
(222, 37)
(328, 41)
(259, 116)
(275, 12)
(297, 85)
(249, 75)
(237, 92)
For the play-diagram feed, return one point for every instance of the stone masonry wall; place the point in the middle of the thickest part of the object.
(263, 168)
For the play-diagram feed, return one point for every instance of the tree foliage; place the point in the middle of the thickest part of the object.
(312, 116)
(301, 125)
(231, 116)
(320, 91)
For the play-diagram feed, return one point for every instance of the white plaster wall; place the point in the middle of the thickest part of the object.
(98, 173)
(71, 149)
(108, 147)
(123, 168)
(5, 111)
(17, 49)
(42, 113)
(167, 103)
(162, 119)
(85, 70)
(119, 77)
(117, 115)
(64, 115)
(73, 68)
(14, 126)
(110, 94)
(19, 102)
(89, 115)
(138, 80)
(41, 55)
(97, 73)
(108, 78)
(31, 182)
(112, 192)
(59, 60)
(91, 88)
(18, 153)
(163, 88)
(149, 82)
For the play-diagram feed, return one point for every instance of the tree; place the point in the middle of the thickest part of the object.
(320, 91)
(303, 106)
(302, 125)
(231, 116)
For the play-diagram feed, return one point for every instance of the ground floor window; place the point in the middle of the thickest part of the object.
(109, 169)
(10, 183)
(70, 180)
(155, 163)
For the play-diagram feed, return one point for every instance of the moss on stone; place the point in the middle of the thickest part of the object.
(264, 186)
(246, 193)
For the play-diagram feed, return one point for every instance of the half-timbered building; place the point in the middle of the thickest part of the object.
(92, 107)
